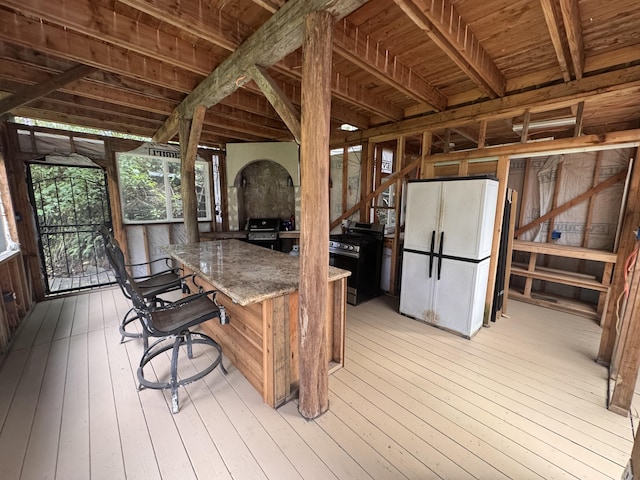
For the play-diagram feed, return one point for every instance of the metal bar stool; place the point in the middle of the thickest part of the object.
(151, 286)
(170, 322)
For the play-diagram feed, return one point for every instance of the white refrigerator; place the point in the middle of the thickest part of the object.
(447, 245)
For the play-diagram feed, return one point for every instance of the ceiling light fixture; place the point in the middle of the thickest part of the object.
(348, 128)
(540, 124)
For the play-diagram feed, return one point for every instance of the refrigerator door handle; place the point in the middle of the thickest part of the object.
(433, 246)
(440, 254)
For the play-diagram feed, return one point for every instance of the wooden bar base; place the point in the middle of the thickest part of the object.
(261, 339)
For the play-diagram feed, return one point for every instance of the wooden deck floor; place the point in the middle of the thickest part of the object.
(523, 400)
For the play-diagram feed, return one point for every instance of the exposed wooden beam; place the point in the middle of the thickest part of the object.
(270, 5)
(179, 14)
(276, 38)
(610, 84)
(449, 31)
(577, 131)
(353, 92)
(106, 25)
(553, 17)
(278, 100)
(205, 21)
(48, 39)
(573, 26)
(27, 94)
(376, 59)
(126, 103)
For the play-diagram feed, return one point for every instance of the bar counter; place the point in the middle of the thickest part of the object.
(259, 290)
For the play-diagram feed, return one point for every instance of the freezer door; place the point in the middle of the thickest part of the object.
(468, 215)
(459, 296)
(422, 214)
(416, 295)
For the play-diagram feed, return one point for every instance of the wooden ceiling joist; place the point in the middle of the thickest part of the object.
(285, 108)
(377, 60)
(76, 47)
(106, 25)
(270, 5)
(160, 8)
(553, 17)
(27, 94)
(278, 36)
(448, 30)
(573, 27)
(563, 22)
(28, 75)
(610, 84)
(206, 22)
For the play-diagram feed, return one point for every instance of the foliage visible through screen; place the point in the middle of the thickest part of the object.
(150, 189)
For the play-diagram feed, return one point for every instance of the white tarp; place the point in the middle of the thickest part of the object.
(577, 177)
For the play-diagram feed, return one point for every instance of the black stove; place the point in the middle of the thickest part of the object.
(359, 250)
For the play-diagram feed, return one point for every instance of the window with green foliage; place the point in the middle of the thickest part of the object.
(150, 189)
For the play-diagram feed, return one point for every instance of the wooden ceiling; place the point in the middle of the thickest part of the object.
(125, 65)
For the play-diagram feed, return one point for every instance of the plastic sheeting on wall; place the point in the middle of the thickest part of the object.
(577, 177)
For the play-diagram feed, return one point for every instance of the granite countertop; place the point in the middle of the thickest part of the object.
(244, 272)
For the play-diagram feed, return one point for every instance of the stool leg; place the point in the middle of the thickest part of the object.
(175, 407)
(187, 335)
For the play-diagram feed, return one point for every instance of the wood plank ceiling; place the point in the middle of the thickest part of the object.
(125, 65)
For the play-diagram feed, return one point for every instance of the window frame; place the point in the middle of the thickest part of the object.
(169, 218)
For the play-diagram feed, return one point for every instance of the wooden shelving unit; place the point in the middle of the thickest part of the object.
(532, 272)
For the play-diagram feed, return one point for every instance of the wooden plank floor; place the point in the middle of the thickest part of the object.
(523, 400)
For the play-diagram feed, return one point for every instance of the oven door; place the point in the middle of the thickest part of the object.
(347, 262)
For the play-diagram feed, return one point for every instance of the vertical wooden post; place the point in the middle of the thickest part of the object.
(395, 250)
(26, 223)
(626, 359)
(426, 168)
(189, 133)
(345, 177)
(630, 222)
(503, 177)
(366, 178)
(482, 134)
(314, 232)
(115, 202)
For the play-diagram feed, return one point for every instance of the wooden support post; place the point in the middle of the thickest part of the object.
(626, 362)
(426, 168)
(345, 177)
(554, 201)
(482, 135)
(366, 178)
(395, 250)
(115, 202)
(630, 223)
(525, 193)
(25, 221)
(525, 127)
(579, 120)
(189, 132)
(447, 140)
(314, 232)
(503, 177)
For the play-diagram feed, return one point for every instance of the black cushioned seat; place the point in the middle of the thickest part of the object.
(170, 323)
